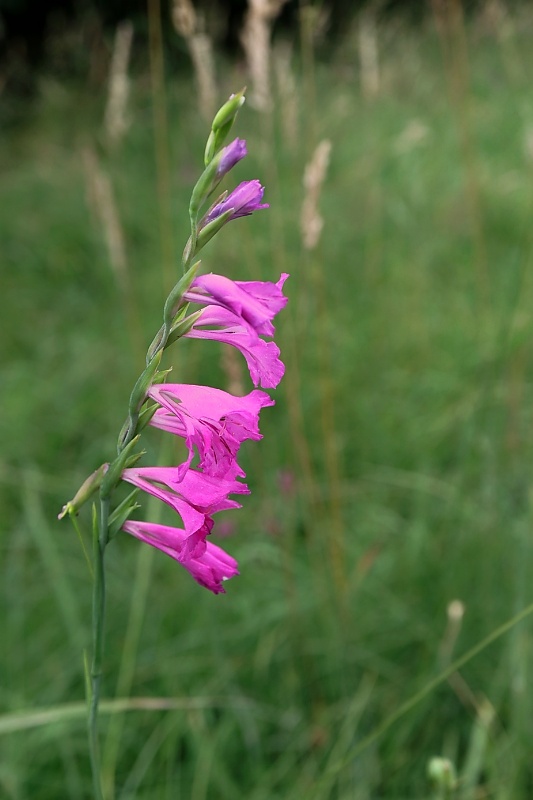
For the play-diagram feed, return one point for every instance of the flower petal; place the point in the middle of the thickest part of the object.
(257, 302)
(209, 569)
(242, 201)
(196, 497)
(213, 421)
(265, 367)
(229, 156)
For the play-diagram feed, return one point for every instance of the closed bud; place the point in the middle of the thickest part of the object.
(228, 111)
(84, 493)
(215, 170)
(222, 124)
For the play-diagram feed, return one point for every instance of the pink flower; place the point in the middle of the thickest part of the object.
(195, 496)
(257, 302)
(238, 313)
(209, 569)
(213, 421)
(242, 201)
(265, 367)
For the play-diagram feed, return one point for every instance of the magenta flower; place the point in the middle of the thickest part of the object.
(257, 302)
(265, 367)
(213, 421)
(209, 569)
(229, 156)
(242, 201)
(195, 496)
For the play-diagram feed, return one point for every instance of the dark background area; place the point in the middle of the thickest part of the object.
(72, 38)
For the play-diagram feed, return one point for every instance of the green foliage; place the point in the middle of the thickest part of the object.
(393, 477)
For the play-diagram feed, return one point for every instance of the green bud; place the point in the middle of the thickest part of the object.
(127, 458)
(86, 490)
(222, 124)
(228, 111)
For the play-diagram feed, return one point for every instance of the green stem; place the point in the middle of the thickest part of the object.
(100, 543)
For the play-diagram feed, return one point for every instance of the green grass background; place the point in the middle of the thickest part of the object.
(395, 471)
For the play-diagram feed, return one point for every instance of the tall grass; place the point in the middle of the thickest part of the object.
(410, 325)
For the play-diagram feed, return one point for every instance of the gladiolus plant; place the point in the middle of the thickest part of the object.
(212, 423)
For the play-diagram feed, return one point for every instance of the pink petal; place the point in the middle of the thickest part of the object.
(211, 420)
(257, 302)
(265, 367)
(196, 497)
(209, 569)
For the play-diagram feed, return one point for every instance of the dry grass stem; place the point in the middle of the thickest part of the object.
(311, 222)
(287, 92)
(255, 39)
(493, 19)
(116, 119)
(103, 206)
(191, 25)
(455, 613)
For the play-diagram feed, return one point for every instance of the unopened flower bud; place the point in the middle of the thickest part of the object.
(84, 493)
(214, 172)
(222, 124)
(229, 156)
(243, 200)
(228, 111)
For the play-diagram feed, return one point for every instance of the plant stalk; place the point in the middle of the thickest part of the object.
(100, 543)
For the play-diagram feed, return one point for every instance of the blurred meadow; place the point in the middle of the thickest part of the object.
(389, 527)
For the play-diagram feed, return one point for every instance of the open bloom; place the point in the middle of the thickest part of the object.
(239, 313)
(256, 302)
(210, 420)
(265, 367)
(195, 496)
(242, 201)
(209, 569)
